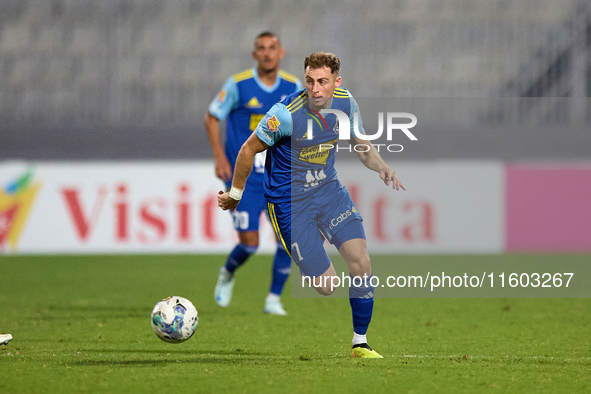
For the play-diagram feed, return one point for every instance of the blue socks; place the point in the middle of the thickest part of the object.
(361, 300)
(281, 269)
(238, 256)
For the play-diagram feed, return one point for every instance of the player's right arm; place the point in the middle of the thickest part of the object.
(220, 107)
(275, 125)
(242, 169)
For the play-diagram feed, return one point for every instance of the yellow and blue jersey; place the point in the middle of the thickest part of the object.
(296, 166)
(243, 101)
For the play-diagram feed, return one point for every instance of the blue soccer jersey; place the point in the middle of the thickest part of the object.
(243, 101)
(297, 166)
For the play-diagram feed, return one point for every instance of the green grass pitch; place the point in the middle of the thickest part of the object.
(81, 324)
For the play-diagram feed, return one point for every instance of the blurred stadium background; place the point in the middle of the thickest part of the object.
(131, 79)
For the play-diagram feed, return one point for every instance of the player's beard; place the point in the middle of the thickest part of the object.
(269, 69)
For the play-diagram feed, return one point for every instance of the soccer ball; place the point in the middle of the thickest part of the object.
(174, 319)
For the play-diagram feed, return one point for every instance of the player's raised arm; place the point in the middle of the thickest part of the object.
(242, 169)
(371, 159)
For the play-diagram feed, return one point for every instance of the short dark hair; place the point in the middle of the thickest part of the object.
(321, 59)
(266, 34)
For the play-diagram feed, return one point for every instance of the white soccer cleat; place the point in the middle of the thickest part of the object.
(223, 289)
(5, 338)
(274, 308)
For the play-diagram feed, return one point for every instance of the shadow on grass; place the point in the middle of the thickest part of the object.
(95, 308)
(198, 352)
(85, 312)
(209, 358)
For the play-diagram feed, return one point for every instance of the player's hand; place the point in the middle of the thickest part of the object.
(225, 202)
(388, 175)
(223, 169)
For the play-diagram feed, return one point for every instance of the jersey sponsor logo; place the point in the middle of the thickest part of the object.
(221, 96)
(254, 121)
(339, 219)
(273, 124)
(316, 155)
(253, 103)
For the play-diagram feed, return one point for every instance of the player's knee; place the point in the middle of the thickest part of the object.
(325, 291)
(321, 285)
(250, 238)
(360, 263)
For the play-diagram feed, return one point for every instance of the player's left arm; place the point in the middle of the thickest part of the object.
(371, 159)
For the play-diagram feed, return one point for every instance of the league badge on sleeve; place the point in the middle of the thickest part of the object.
(222, 96)
(273, 124)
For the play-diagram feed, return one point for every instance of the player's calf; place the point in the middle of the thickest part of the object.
(354, 252)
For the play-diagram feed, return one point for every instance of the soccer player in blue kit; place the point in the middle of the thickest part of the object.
(303, 192)
(243, 101)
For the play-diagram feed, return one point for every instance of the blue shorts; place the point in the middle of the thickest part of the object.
(248, 213)
(303, 225)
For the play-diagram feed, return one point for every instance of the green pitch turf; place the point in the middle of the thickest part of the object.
(82, 325)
